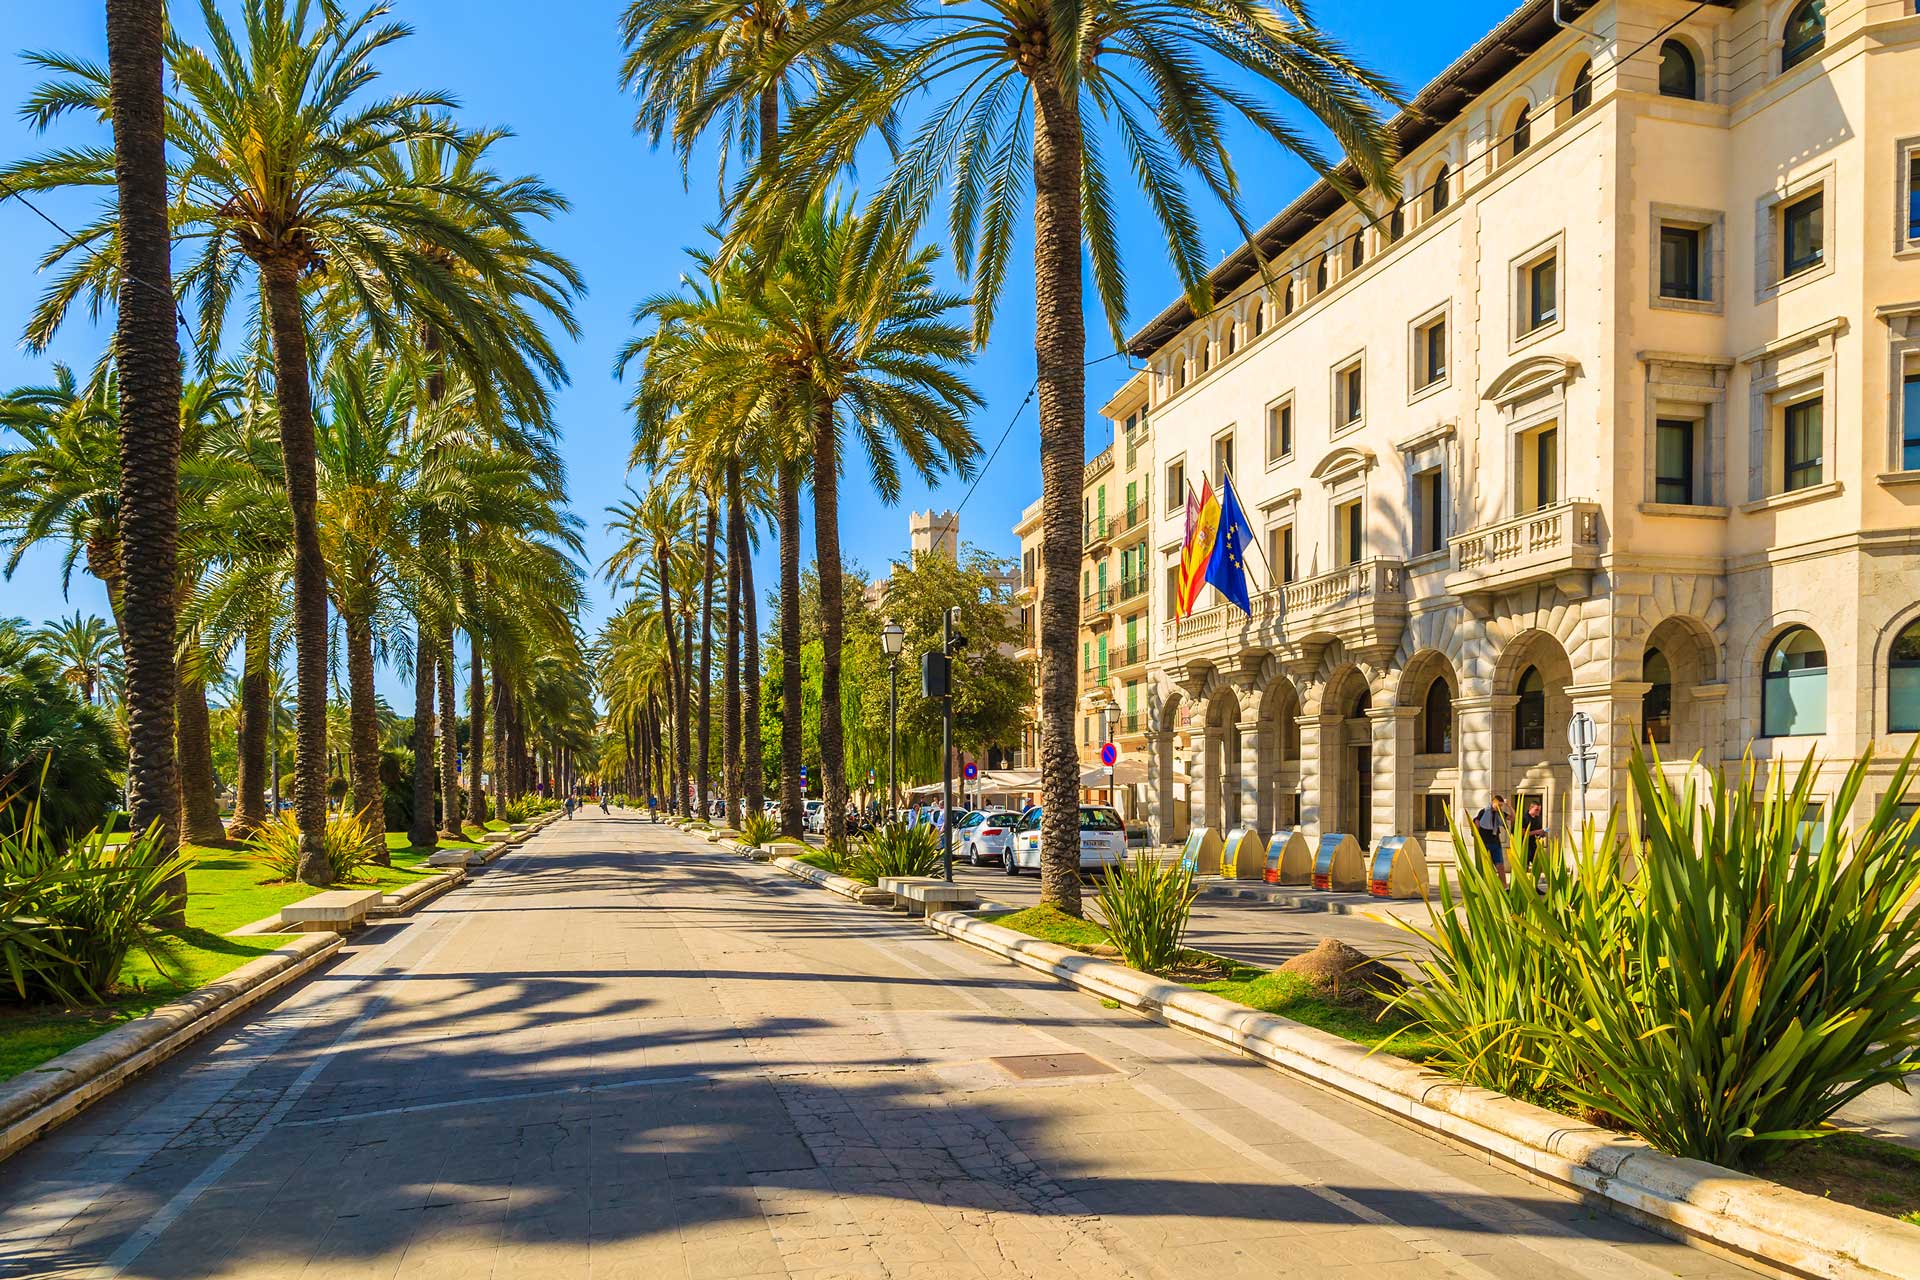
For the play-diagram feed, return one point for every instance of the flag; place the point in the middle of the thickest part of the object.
(1227, 566)
(1198, 549)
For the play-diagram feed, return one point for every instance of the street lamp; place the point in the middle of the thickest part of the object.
(893, 637)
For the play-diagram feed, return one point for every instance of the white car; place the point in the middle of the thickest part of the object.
(1103, 840)
(986, 835)
(813, 816)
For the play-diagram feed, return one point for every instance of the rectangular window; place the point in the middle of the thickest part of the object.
(1543, 294)
(1801, 443)
(1680, 262)
(1673, 461)
(1802, 237)
(1432, 353)
(1222, 457)
(1173, 589)
(1279, 431)
(1101, 650)
(1348, 533)
(1910, 423)
(1349, 394)
(1539, 478)
(1429, 511)
(1913, 196)
(1176, 485)
(1280, 553)
(1100, 576)
(1434, 811)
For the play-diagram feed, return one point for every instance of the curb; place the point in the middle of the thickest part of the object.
(54, 1092)
(1690, 1200)
(864, 894)
(417, 895)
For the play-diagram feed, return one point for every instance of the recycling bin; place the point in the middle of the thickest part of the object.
(1289, 857)
(1398, 868)
(1244, 857)
(1201, 856)
(1340, 863)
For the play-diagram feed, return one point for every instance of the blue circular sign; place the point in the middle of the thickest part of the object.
(970, 771)
(1109, 755)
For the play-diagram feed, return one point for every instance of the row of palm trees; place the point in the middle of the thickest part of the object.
(992, 101)
(382, 443)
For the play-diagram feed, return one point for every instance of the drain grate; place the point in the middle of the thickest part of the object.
(1051, 1066)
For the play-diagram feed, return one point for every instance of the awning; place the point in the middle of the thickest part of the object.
(1125, 774)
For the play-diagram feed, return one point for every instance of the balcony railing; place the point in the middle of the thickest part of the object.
(1133, 587)
(1560, 542)
(1133, 518)
(1096, 530)
(1097, 602)
(1363, 605)
(1129, 656)
(1100, 463)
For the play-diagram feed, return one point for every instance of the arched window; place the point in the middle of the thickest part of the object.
(1206, 355)
(1805, 33)
(1582, 95)
(1320, 275)
(1286, 300)
(1233, 338)
(1679, 78)
(1903, 682)
(1793, 686)
(1180, 373)
(1656, 704)
(1520, 132)
(1358, 254)
(1259, 317)
(1397, 222)
(1436, 734)
(1438, 195)
(1530, 713)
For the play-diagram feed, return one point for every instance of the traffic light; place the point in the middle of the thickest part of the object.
(934, 670)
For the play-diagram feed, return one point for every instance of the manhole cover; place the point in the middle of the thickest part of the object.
(1048, 1066)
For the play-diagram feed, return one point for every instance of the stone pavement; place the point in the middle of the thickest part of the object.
(619, 1053)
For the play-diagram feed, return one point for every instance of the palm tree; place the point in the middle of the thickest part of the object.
(1016, 85)
(283, 173)
(87, 649)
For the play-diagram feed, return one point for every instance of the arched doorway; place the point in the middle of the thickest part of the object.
(1676, 720)
(1221, 775)
(1429, 684)
(1277, 789)
(1532, 678)
(1346, 754)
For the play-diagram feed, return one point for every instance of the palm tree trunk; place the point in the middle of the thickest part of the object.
(193, 738)
(706, 662)
(363, 736)
(146, 350)
(730, 729)
(1059, 348)
(752, 756)
(677, 799)
(790, 728)
(450, 821)
(501, 709)
(683, 719)
(476, 726)
(826, 555)
(294, 396)
(420, 832)
(249, 805)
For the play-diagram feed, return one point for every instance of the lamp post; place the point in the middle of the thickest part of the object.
(892, 637)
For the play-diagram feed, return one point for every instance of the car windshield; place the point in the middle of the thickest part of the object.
(1095, 819)
(973, 819)
(1031, 821)
(1004, 819)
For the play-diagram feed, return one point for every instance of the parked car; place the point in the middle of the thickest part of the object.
(813, 817)
(1103, 840)
(986, 835)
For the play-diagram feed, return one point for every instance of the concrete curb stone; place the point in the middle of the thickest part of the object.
(1693, 1201)
(417, 895)
(38, 1100)
(864, 894)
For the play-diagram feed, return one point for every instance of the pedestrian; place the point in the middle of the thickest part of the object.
(569, 806)
(1491, 824)
(603, 803)
(1533, 832)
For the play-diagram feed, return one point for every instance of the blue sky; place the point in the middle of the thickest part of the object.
(550, 72)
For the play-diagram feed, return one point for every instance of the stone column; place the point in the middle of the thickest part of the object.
(1159, 787)
(1482, 752)
(1710, 715)
(1310, 774)
(1615, 707)
(1393, 802)
(1198, 810)
(1250, 758)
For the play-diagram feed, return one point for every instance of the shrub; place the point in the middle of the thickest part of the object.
(59, 755)
(1145, 905)
(1756, 974)
(70, 916)
(896, 849)
(350, 846)
(757, 829)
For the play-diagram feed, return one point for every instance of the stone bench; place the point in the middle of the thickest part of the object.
(337, 910)
(917, 895)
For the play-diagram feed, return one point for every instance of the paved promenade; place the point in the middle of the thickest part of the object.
(619, 1054)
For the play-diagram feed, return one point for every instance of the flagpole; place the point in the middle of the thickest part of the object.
(1259, 541)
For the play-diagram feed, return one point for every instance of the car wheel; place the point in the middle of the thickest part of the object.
(1011, 867)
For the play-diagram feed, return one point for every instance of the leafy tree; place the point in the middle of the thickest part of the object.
(88, 651)
(56, 749)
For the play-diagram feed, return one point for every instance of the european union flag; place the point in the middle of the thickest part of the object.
(1227, 570)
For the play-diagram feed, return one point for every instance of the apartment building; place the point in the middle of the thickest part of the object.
(1615, 409)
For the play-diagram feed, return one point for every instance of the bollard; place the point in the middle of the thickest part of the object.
(1244, 856)
(1340, 863)
(1289, 857)
(1398, 868)
(1201, 855)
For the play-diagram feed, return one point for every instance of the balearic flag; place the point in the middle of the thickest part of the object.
(1227, 566)
(1198, 551)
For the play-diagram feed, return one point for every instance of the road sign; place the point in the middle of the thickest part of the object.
(1580, 733)
(970, 771)
(1109, 755)
(1583, 764)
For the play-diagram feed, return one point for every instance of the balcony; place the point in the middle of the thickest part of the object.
(1129, 658)
(1364, 604)
(1131, 524)
(1096, 604)
(1559, 544)
(1099, 464)
(1094, 673)
(1133, 588)
(1096, 532)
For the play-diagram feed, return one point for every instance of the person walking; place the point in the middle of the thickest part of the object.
(569, 806)
(603, 803)
(1533, 831)
(1491, 824)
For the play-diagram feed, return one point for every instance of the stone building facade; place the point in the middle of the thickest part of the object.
(1615, 410)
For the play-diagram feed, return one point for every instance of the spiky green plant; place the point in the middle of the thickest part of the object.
(758, 830)
(349, 846)
(896, 849)
(1145, 904)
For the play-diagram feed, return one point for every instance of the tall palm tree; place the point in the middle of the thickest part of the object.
(1022, 91)
(87, 649)
(283, 178)
(146, 350)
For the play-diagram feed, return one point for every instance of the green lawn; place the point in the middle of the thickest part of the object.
(1267, 990)
(225, 889)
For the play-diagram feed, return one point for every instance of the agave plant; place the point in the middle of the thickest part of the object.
(349, 846)
(757, 830)
(1145, 905)
(897, 849)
